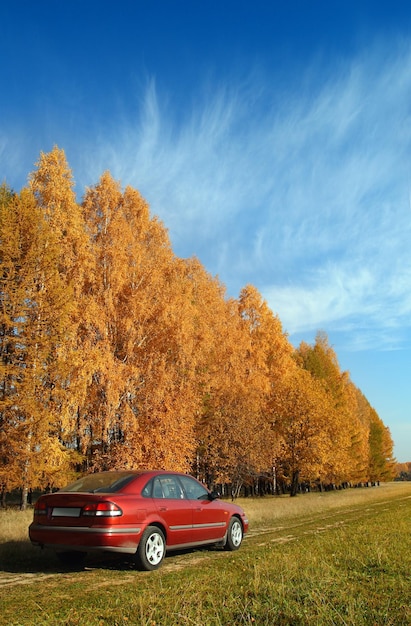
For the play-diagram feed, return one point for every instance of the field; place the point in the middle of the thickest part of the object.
(337, 558)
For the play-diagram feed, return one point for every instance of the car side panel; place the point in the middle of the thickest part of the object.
(177, 517)
(210, 520)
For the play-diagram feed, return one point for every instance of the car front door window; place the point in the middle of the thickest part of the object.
(194, 490)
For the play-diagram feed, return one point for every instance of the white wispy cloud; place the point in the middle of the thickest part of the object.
(306, 197)
(302, 192)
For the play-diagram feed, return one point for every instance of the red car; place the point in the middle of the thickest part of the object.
(143, 513)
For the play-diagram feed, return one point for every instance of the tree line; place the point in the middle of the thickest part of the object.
(115, 353)
(403, 471)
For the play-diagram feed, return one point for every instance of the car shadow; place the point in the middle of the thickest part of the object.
(21, 557)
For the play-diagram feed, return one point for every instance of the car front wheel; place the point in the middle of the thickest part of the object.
(234, 534)
(151, 549)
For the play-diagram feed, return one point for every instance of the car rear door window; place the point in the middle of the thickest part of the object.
(171, 488)
(164, 487)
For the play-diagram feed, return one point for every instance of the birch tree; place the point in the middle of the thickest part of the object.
(32, 342)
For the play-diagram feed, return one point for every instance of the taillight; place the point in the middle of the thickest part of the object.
(101, 509)
(40, 508)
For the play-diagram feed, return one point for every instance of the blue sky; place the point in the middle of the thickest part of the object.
(272, 138)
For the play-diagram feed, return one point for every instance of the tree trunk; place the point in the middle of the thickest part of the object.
(274, 479)
(294, 483)
(3, 497)
(23, 500)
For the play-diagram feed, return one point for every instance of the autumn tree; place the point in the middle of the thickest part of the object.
(249, 353)
(218, 383)
(321, 361)
(300, 420)
(115, 353)
(381, 460)
(268, 360)
(217, 345)
(35, 308)
(358, 465)
(403, 471)
(140, 396)
(52, 185)
(165, 359)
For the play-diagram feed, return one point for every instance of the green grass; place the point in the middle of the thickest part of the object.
(337, 558)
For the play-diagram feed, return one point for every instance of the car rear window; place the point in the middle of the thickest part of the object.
(103, 482)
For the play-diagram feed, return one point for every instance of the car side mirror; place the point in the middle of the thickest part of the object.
(214, 495)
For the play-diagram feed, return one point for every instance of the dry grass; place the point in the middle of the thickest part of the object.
(265, 510)
(337, 558)
(14, 524)
(260, 511)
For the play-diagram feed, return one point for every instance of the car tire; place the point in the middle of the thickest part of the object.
(151, 549)
(234, 534)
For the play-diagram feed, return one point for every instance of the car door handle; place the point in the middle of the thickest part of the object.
(163, 508)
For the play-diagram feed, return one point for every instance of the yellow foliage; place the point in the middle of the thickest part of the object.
(118, 354)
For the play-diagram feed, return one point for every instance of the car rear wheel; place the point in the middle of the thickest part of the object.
(151, 549)
(234, 534)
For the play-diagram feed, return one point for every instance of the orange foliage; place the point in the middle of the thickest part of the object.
(116, 353)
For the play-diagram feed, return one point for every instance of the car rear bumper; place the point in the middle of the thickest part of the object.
(108, 538)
